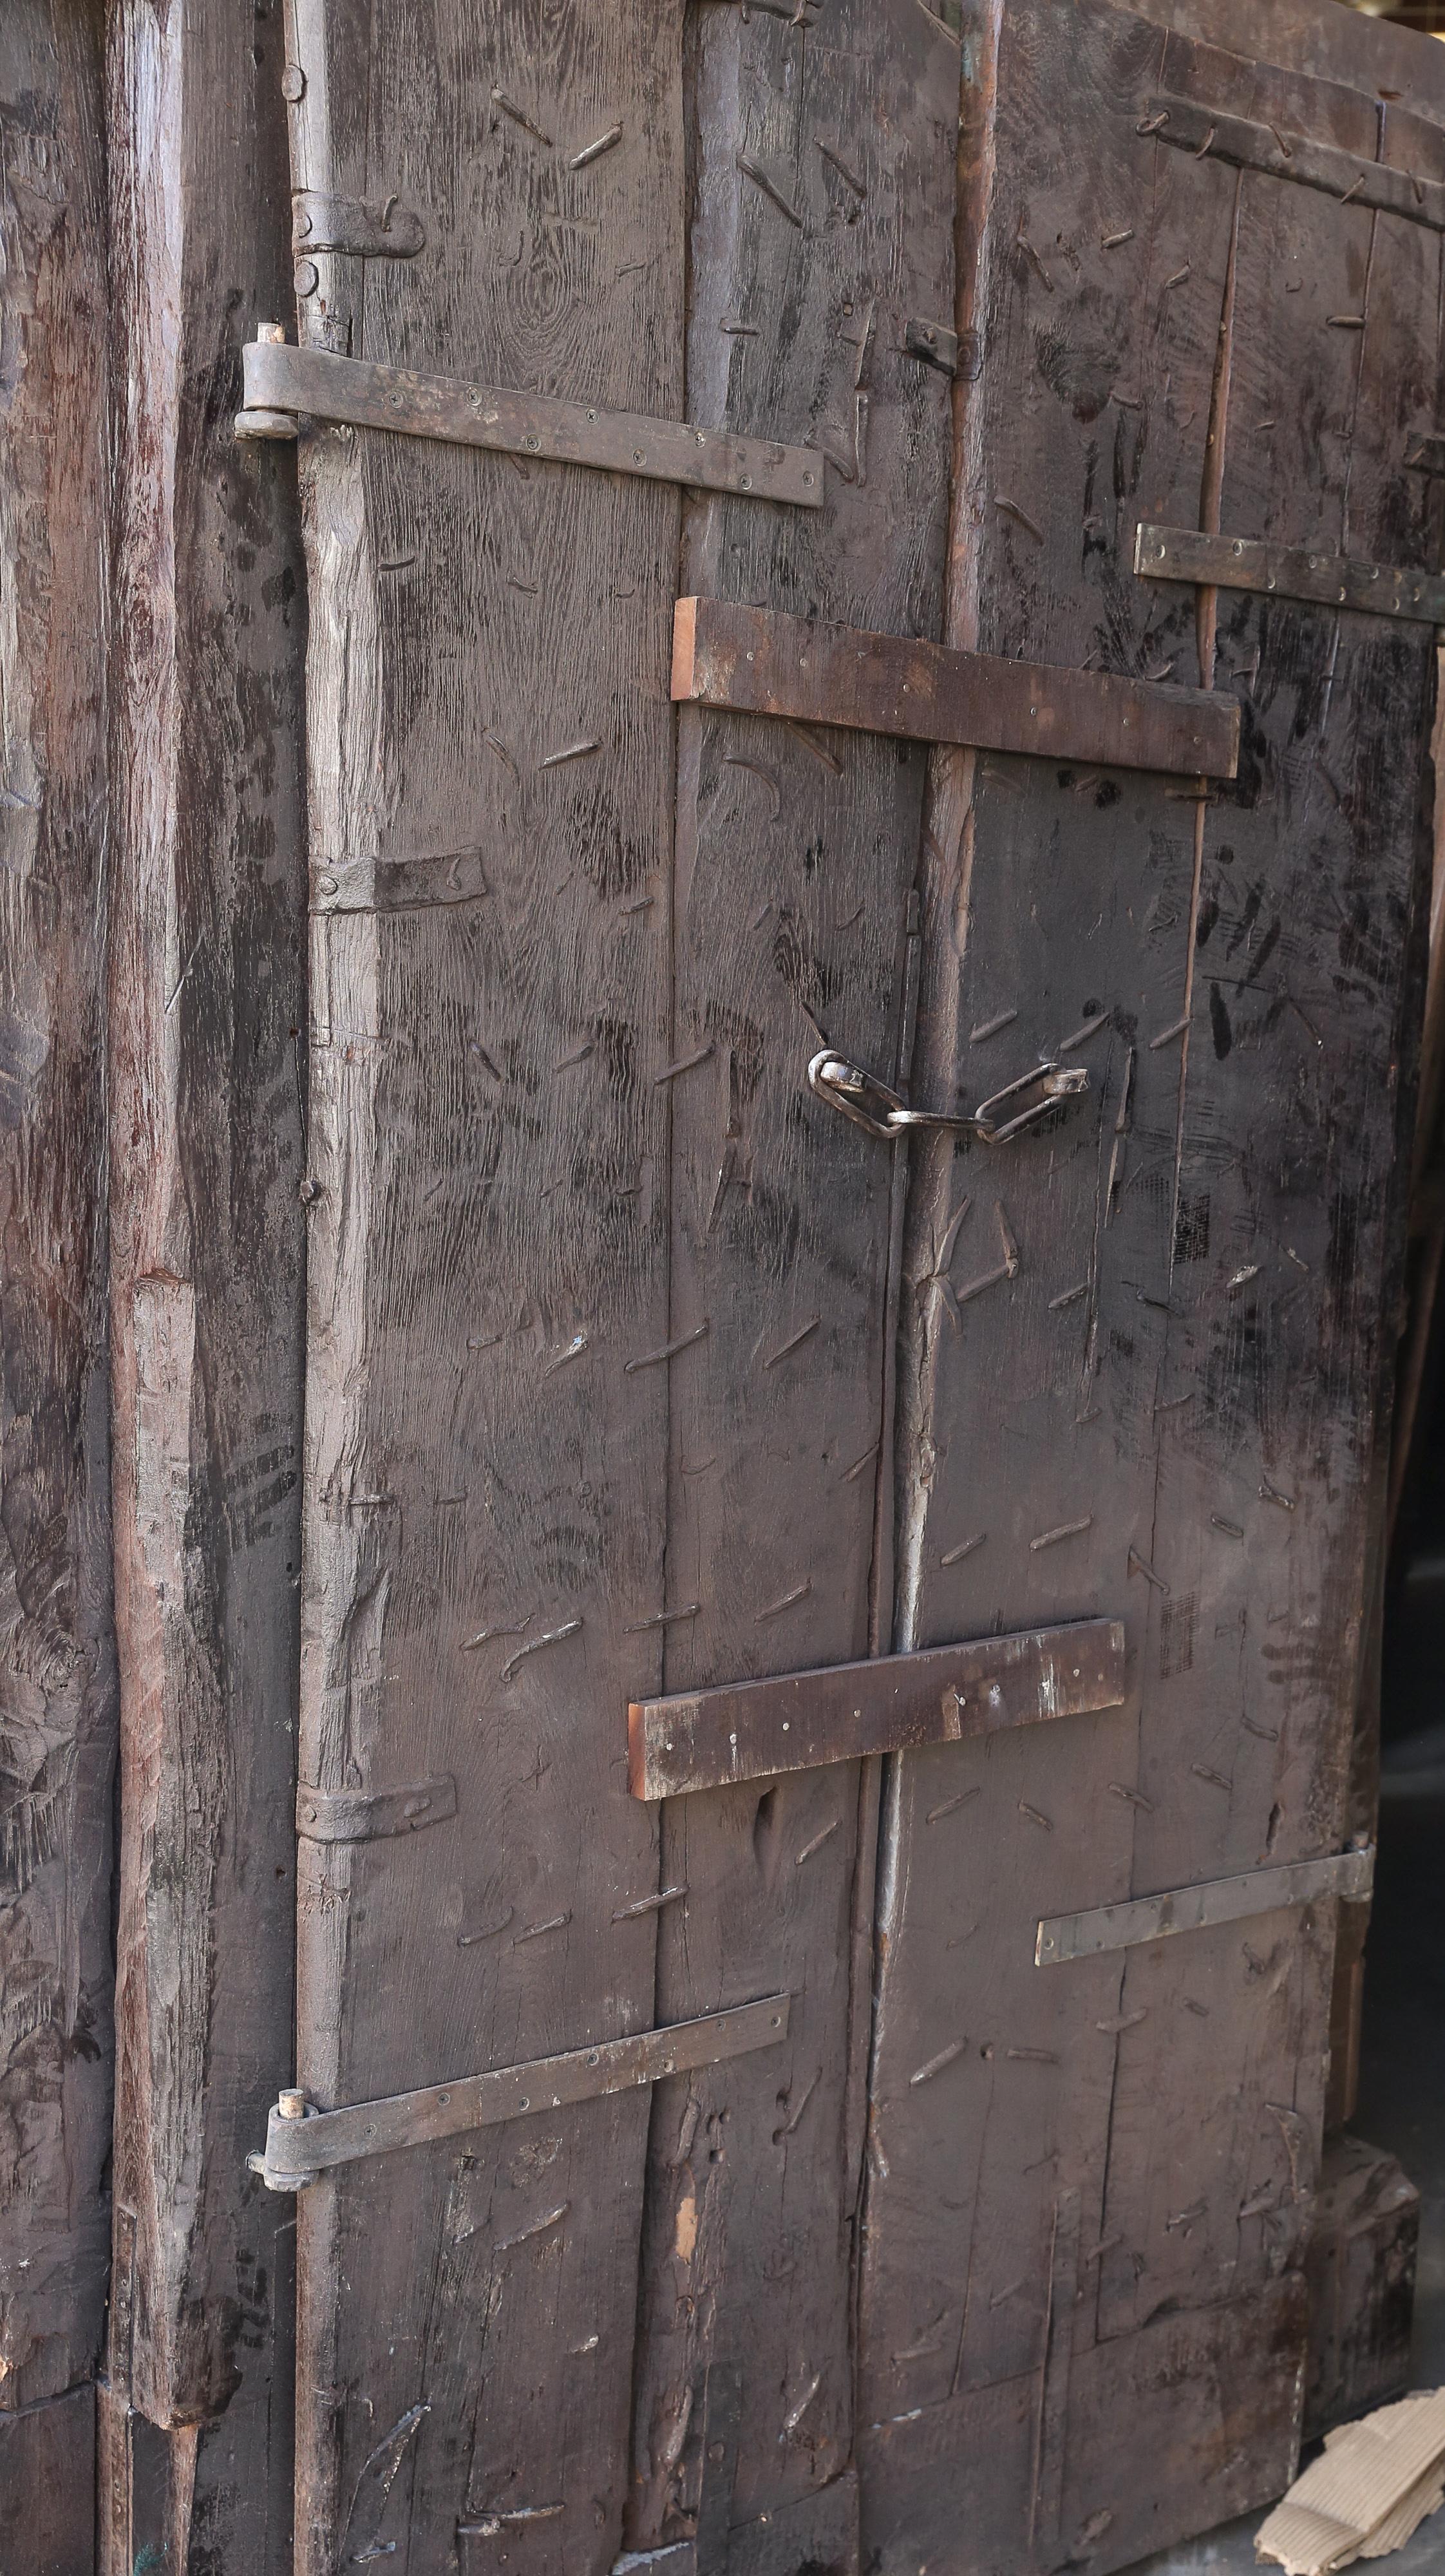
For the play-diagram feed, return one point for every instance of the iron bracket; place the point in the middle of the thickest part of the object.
(1349, 1875)
(1288, 572)
(1351, 178)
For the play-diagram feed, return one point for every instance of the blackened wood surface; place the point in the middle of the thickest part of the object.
(57, 1692)
(207, 902)
(47, 2487)
(492, 1083)
(1360, 2268)
(1180, 1383)
(823, 201)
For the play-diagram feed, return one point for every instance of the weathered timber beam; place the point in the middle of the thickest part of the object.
(799, 1721)
(283, 383)
(1289, 572)
(763, 663)
(1209, 134)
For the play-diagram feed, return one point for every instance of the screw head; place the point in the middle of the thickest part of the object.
(293, 83)
(307, 277)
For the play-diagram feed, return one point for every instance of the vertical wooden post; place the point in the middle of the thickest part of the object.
(57, 1698)
(208, 903)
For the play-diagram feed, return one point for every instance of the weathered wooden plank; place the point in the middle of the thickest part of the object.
(824, 176)
(317, 382)
(207, 891)
(709, 1739)
(57, 1671)
(491, 1086)
(1321, 39)
(47, 2487)
(762, 663)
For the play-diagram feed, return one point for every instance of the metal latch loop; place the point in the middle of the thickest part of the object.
(873, 1105)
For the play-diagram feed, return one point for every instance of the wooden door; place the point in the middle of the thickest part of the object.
(729, 2163)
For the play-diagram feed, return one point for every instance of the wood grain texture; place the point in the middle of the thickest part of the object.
(823, 198)
(1183, 1376)
(207, 901)
(47, 2487)
(57, 1680)
(492, 1081)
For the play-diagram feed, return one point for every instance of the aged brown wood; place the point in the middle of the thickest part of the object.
(1143, 1380)
(57, 1673)
(316, 382)
(207, 890)
(709, 1739)
(796, 854)
(763, 663)
(491, 1086)
(1360, 2268)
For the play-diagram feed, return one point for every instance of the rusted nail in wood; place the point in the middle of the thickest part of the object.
(795, 1344)
(661, 1619)
(649, 1904)
(1002, 502)
(1216, 1779)
(644, 903)
(594, 151)
(1206, 145)
(1285, 148)
(1242, 1277)
(578, 1055)
(1123, 2021)
(1066, 1529)
(1353, 190)
(1269, 1493)
(734, 760)
(789, 1601)
(534, 1931)
(788, 2127)
(1161, 670)
(1094, 1414)
(397, 563)
(753, 170)
(1106, 2245)
(917, 2351)
(740, 330)
(851, 1474)
(1033, 2056)
(1346, 321)
(861, 415)
(1231, 1529)
(493, 743)
(1070, 1297)
(1257, 2203)
(1154, 124)
(518, 115)
(538, 2227)
(1014, 2287)
(1138, 1566)
(492, 2524)
(1162, 1040)
(534, 1646)
(1112, 241)
(950, 1806)
(1036, 1816)
(1010, 1248)
(1266, 1734)
(1172, 1403)
(990, 1028)
(669, 1350)
(1026, 246)
(1131, 1797)
(936, 2065)
(1087, 1029)
(489, 1932)
(965, 1547)
(818, 1839)
(484, 1636)
(1186, 2217)
(1177, 279)
(976, 1287)
(795, 2414)
(574, 751)
(1126, 1095)
(578, 1344)
(835, 158)
(684, 1064)
(826, 758)
(1200, 2011)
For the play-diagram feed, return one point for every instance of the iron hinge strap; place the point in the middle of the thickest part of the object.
(1208, 133)
(303, 2143)
(284, 383)
(1289, 572)
(1350, 1875)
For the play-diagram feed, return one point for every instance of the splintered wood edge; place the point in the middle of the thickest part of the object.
(684, 649)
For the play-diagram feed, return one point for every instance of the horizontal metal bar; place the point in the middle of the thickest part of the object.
(369, 1815)
(1288, 572)
(298, 2149)
(801, 1721)
(1348, 1874)
(280, 379)
(1348, 176)
(767, 664)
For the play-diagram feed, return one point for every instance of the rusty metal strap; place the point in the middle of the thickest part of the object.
(1289, 572)
(802, 1721)
(1348, 1874)
(283, 384)
(1209, 134)
(764, 663)
(302, 2143)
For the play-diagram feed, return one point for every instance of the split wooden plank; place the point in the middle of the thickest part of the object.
(57, 1665)
(709, 1739)
(207, 892)
(763, 663)
(825, 183)
(492, 1082)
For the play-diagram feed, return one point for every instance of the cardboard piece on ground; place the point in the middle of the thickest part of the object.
(1370, 2489)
